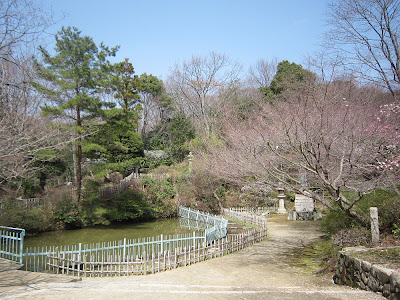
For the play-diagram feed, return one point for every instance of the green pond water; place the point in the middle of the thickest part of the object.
(100, 234)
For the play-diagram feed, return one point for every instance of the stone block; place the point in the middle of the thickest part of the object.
(357, 264)
(357, 275)
(317, 215)
(373, 270)
(361, 285)
(383, 274)
(386, 290)
(346, 261)
(394, 296)
(366, 266)
(364, 277)
(336, 279)
(394, 281)
(373, 284)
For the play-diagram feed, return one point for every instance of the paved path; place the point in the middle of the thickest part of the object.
(257, 272)
(12, 278)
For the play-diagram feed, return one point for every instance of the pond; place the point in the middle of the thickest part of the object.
(109, 233)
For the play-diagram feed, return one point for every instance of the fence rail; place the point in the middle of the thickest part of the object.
(259, 210)
(245, 217)
(115, 189)
(70, 263)
(84, 265)
(35, 258)
(27, 203)
(217, 231)
(147, 255)
(193, 224)
(12, 243)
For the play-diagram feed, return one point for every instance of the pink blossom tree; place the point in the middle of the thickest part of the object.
(314, 141)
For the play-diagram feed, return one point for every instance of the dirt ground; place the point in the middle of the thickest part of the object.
(257, 272)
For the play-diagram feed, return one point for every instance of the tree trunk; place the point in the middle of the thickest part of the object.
(79, 156)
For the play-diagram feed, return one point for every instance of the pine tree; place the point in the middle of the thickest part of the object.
(72, 81)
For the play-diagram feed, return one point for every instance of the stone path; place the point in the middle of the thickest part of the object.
(257, 272)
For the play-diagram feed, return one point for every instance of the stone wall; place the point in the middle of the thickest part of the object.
(361, 274)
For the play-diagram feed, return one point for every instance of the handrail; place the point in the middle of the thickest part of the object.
(12, 243)
(219, 230)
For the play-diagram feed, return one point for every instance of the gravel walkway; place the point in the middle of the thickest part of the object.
(257, 272)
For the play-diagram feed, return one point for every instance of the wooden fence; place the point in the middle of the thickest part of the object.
(111, 190)
(28, 203)
(36, 258)
(245, 217)
(159, 177)
(115, 189)
(148, 255)
(12, 243)
(264, 210)
(84, 265)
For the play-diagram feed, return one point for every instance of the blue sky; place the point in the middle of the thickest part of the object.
(155, 34)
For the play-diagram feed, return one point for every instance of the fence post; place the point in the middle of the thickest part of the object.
(21, 246)
(124, 250)
(80, 252)
(162, 243)
(374, 224)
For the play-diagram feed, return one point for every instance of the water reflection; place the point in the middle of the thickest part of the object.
(115, 232)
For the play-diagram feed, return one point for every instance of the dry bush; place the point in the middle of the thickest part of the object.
(358, 236)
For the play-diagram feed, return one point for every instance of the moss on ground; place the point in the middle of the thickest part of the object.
(315, 258)
(388, 257)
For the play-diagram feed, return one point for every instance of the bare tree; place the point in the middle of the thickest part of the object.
(318, 140)
(21, 23)
(196, 85)
(366, 33)
(23, 132)
(262, 73)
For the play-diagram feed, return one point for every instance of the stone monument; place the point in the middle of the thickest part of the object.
(304, 209)
(303, 203)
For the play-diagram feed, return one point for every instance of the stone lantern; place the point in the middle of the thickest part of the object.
(190, 159)
(281, 198)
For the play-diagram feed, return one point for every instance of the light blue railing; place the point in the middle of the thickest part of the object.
(12, 243)
(193, 224)
(219, 227)
(35, 258)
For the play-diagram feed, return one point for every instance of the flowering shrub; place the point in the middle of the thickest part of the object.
(389, 129)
